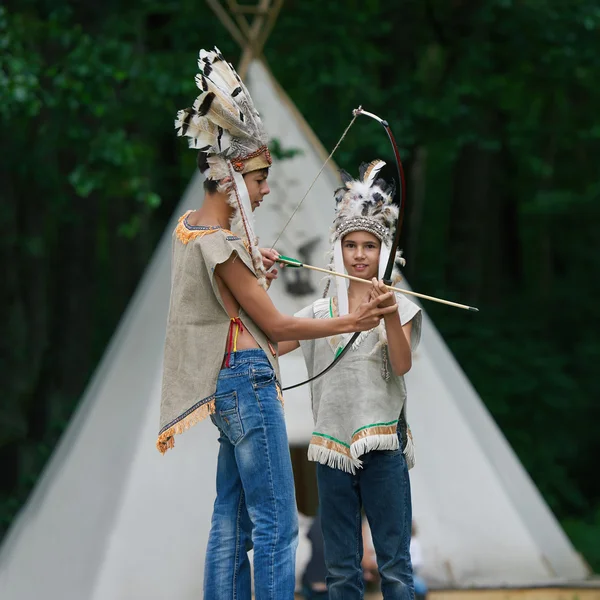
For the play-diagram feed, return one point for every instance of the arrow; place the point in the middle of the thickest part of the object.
(292, 262)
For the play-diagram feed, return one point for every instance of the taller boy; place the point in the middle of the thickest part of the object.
(220, 352)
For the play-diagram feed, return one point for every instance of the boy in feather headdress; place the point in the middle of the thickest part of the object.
(220, 352)
(361, 440)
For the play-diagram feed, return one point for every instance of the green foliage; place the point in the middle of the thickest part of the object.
(279, 152)
(90, 174)
(585, 534)
(494, 104)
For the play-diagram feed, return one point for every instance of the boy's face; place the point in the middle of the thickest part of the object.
(360, 250)
(258, 188)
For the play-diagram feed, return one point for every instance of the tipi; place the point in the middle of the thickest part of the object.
(112, 519)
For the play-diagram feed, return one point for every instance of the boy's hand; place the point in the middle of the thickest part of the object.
(269, 258)
(370, 312)
(378, 290)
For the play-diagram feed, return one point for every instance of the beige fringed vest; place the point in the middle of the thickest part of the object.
(356, 407)
(197, 327)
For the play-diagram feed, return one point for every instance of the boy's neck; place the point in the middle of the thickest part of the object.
(215, 210)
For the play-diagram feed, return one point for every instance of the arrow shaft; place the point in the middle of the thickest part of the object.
(389, 287)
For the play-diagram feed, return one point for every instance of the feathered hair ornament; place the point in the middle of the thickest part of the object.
(224, 124)
(363, 204)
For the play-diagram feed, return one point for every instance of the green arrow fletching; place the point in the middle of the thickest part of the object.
(290, 262)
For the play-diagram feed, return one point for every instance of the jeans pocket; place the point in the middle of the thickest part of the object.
(263, 377)
(227, 416)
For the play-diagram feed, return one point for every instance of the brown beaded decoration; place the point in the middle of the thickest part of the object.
(238, 163)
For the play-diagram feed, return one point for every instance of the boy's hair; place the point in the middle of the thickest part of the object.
(210, 186)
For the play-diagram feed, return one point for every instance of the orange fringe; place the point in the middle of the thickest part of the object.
(280, 395)
(166, 440)
(185, 235)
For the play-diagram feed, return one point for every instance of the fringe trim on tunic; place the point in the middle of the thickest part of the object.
(332, 453)
(166, 439)
(335, 454)
(374, 442)
(382, 436)
(185, 235)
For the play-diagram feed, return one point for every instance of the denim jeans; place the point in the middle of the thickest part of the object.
(420, 586)
(256, 503)
(382, 488)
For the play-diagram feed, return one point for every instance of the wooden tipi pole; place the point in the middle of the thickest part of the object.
(251, 37)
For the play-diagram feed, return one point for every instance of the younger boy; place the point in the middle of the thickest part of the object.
(358, 407)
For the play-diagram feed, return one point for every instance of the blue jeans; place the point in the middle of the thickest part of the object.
(382, 487)
(420, 586)
(256, 503)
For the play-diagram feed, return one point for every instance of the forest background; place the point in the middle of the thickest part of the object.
(495, 104)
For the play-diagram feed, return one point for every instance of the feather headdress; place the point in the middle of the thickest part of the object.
(364, 204)
(223, 120)
(224, 124)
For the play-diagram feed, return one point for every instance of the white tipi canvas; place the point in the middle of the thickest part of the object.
(112, 519)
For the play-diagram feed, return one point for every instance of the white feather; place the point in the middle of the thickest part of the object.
(231, 109)
(374, 172)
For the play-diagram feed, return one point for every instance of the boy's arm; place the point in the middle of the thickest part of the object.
(287, 347)
(242, 283)
(398, 336)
